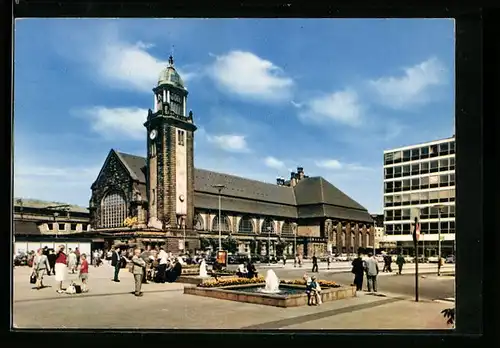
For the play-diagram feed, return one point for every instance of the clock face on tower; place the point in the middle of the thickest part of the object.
(152, 134)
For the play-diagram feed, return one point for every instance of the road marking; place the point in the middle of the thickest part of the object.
(277, 324)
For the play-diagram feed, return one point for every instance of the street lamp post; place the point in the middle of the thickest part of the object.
(184, 234)
(56, 214)
(439, 207)
(294, 241)
(269, 245)
(220, 187)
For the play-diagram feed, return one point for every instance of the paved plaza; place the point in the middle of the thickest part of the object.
(164, 306)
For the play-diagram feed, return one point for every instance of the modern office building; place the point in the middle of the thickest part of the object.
(421, 176)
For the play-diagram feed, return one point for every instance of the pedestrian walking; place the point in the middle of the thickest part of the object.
(315, 264)
(61, 268)
(139, 266)
(145, 255)
(328, 261)
(52, 262)
(284, 260)
(358, 269)
(388, 261)
(116, 259)
(400, 261)
(40, 266)
(72, 261)
(372, 270)
(296, 260)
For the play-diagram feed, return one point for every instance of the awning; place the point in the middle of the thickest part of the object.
(98, 240)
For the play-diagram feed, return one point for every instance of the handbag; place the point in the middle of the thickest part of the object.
(33, 278)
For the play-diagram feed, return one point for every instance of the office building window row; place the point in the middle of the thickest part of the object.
(415, 198)
(433, 166)
(419, 153)
(425, 228)
(447, 211)
(425, 182)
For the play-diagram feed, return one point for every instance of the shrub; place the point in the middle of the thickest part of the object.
(231, 281)
(449, 313)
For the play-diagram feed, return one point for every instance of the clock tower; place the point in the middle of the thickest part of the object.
(170, 163)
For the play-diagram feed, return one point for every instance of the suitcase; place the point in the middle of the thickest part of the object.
(78, 288)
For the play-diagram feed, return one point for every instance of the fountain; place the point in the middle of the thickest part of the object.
(272, 283)
(203, 269)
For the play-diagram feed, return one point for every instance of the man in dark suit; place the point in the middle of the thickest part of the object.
(116, 262)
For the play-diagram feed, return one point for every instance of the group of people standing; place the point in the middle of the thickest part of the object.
(147, 264)
(58, 263)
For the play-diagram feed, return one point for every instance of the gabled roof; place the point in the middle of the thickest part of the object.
(311, 197)
(317, 190)
(135, 165)
(242, 188)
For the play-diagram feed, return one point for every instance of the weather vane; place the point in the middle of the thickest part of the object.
(171, 58)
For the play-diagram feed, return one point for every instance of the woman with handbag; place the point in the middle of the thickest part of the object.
(61, 268)
(40, 266)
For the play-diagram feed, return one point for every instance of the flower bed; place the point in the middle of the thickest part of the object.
(231, 281)
(322, 283)
(242, 281)
(222, 273)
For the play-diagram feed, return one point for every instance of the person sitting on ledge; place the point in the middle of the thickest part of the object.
(241, 271)
(251, 270)
(217, 266)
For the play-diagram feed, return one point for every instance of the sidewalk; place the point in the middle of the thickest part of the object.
(366, 311)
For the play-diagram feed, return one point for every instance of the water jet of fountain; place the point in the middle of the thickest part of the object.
(272, 283)
(203, 269)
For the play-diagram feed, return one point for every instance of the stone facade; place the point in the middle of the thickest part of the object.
(113, 177)
(162, 197)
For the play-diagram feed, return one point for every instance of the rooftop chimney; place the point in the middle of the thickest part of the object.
(300, 171)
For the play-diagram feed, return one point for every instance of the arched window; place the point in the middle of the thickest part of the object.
(224, 225)
(246, 225)
(113, 210)
(286, 229)
(268, 226)
(198, 223)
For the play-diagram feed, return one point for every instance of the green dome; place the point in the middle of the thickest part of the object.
(169, 76)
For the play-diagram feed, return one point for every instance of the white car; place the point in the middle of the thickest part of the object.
(379, 258)
(409, 259)
(341, 258)
(450, 259)
(433, 259)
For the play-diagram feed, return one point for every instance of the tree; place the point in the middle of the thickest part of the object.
(204, 243)
(280, 247)
(253, 246)
(230, 244)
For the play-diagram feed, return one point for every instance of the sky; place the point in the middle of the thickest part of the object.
(268, 95)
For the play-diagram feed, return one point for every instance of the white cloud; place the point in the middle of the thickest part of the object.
(229, 142)
(116, 123)
(131, 66)
(63, 184)
(247, 75)
(411, 88)
(297, 105)
(333, 164)
(342, 107)
(274, 163)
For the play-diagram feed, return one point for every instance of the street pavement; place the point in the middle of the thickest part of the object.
(111, 305)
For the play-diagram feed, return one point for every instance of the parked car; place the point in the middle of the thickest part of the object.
(450, 259)
(324, 258)
(409, 259)
(21, 260)
(341, 257)
(256, 258)
(379, 258)
(433, 259)
(265, 259)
